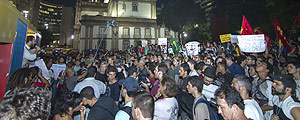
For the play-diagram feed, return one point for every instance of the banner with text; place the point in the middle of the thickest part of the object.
(225, 38)
(192, 48)
(57, 69)
(252, 43)
(162, 41)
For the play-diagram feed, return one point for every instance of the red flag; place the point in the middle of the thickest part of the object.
(282, 38)
(246, 28)
(268, 40)
(298, 17)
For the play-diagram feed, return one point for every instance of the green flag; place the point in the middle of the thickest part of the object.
(175, 46)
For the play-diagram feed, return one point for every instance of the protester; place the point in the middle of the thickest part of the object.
(143, 106)
(28, 56)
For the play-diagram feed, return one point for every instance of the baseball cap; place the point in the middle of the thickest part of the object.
(210, 72)
(287, 80)
(130, 84)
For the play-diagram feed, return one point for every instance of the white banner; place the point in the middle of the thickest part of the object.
(162, 41)
(252, 43)
(144, 43)
(57, 69)
(41, 64)
(192, 48)
(233, 38)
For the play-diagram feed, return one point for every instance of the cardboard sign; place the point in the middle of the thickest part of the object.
(192, 48)
(144, 43)
(57, 69)
(252, 43)
(162, 41)
(225, 38)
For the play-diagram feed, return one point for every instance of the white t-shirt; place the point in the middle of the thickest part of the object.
(253, 110)
(286, 105)
(209, 92)
(193, 73)
(166, 109)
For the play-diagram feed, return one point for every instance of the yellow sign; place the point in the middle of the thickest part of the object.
(225, 38)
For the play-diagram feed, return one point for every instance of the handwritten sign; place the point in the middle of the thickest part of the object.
(57, 69)
(41, 64)
(252, 43)
(162, 41)
(192, 48)
(225, 38)
(144, 43)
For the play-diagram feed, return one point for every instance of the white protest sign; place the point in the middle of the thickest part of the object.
(252, 43)
(233, 38)
(162, 41)
(192, 48)
(144, 43)
(41, 64)
(57, 69)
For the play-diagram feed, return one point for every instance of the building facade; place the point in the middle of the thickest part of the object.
(136, 21)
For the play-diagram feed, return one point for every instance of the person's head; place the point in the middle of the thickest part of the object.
(242, 83)
(70, 72)
(111, 73)
(130, 87)
(293, 68)
(264, 67)
(87, 95)
(67, 103)
(142, 106)
(230, 103)
(221, 67)
(283, 84)
(191, 64)
(103, 66)
(30, 41)
(184, 70)
(77, 63)
(199, 68)
(29, 103)
(91, 72)
(251, 60)
(34, 73)
(110, 61)
(229, 59)
(141, 63)
(195, 84)
(61, 60)
(209, 75)
(168, 87)
(21, 78)
(132, 71)
(160, 70)
(176, 61)
(241, 60)
(168, 63)
(252, 70)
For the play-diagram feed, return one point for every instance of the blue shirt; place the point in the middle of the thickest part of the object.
(122, 115)
(235, 69)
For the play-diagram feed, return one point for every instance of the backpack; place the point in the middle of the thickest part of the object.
(128, 110)
(213, 115)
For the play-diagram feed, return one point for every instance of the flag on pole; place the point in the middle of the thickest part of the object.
(282, 39)
(246, 28)
(268, 40)
(298, 17)
(175, 46)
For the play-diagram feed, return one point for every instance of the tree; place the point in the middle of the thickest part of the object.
(181, 15)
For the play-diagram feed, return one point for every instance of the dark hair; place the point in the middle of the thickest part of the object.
(296, 64)
(30, 103)
(66, 100)
(112, 69)
(243, 80)
(186, 67)
(87, 92)
(263, 58)
(222, 64)
(29, 38)
(131, 70)
(145, 102)
(17, 79)
(34, 71)
(197, 82)
(252, 57)
(240, 59)
(229, 57)
(171, 86)
(162, 68)
(91, 71)
(230, 95)
(199, 66)
(62, 58)
(192, 62)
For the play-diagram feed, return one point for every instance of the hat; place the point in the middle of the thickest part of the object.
(130, 84)
(210, 72)
(287, 80)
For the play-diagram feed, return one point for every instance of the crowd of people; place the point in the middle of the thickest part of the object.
(152, 83)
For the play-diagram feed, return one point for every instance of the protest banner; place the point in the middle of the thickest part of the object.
(162, 41)
(192, 48)
(252, 43)
(144, 43)
(57, 69)
(225, 38)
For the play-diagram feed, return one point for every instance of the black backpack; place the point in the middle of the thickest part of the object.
(213, 115)
(128, 110)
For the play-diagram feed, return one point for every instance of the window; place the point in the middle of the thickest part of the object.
(137, 31)
(135, 6)
(147, 31)
(167, 33)
(101, 30)
(126, 31)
